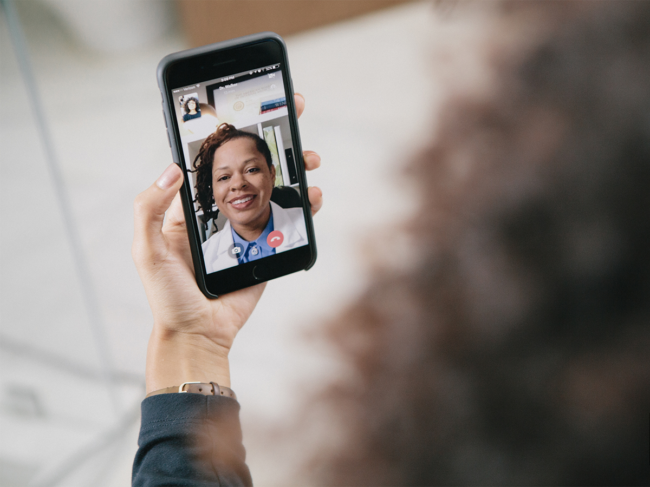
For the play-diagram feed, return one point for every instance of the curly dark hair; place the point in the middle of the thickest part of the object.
(187, 101)
(517, 349)
(204, 159)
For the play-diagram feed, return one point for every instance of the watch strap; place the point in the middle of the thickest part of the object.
(205, 388)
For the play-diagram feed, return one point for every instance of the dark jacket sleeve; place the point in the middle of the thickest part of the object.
(190, 439)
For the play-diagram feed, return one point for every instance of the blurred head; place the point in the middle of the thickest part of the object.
(516, 350)
(235, 171)
(191, 105)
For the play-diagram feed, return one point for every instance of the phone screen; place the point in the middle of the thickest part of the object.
(241, 164)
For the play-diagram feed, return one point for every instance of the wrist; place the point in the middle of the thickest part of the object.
(174, 358)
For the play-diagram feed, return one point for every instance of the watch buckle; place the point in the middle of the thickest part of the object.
(182, 386)
(216, 391)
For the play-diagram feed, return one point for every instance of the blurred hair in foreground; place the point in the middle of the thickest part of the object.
(517, 350)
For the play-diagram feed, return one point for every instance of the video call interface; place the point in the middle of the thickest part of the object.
(256, 208)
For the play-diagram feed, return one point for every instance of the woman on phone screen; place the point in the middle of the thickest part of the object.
(235, 171)
(191, 108)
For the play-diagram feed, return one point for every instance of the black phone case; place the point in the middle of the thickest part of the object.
(195, 246)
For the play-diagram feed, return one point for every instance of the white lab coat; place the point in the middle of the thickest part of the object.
(289, 221)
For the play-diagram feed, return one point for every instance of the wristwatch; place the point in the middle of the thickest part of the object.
(205, 388)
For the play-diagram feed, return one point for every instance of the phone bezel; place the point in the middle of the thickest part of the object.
(205, 64)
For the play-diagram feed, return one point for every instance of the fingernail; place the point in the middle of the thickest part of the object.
(169, 177)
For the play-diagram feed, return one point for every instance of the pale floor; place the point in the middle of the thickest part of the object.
(371, 92)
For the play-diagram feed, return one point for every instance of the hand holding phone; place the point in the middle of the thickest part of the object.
(231, 120)
(186, 323)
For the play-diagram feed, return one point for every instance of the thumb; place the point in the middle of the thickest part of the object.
(149, 210)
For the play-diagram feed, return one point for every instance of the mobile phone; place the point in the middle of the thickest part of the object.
(232, 128)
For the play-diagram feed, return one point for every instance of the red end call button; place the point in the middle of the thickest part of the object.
(275, 238)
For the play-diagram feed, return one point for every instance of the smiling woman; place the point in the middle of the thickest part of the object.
(235, 172)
